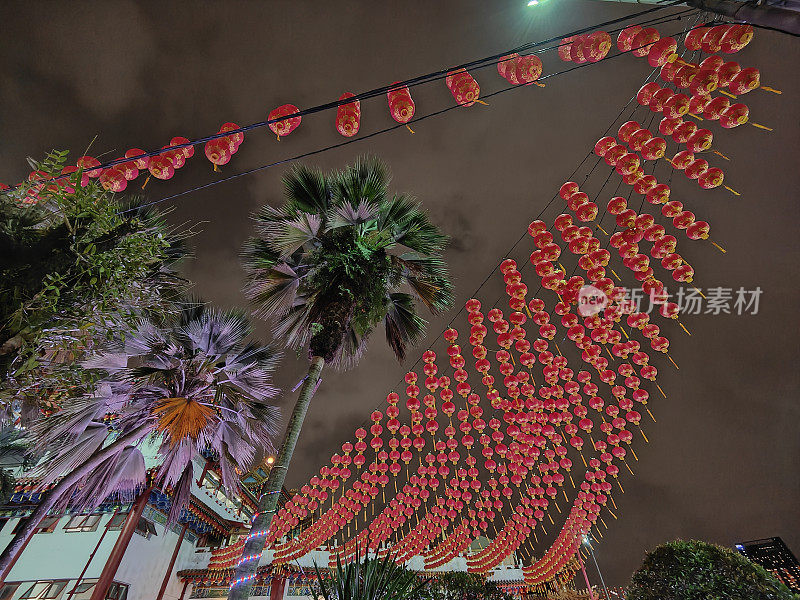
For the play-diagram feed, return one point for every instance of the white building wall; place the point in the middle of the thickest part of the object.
(59, 555)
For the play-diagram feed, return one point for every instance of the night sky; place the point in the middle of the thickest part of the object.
(722, 462)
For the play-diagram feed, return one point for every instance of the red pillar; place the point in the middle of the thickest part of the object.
(277, 587)
(112, 564)
(171, 564)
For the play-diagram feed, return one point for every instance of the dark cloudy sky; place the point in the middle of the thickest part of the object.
(722, 463)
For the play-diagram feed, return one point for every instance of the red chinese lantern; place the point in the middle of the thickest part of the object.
(463, 87)
(662, 51)
(735, 38)
(218, 152)
(694, 39)
(745, 81)
(235, 139)
(734, 115)
(596, 46)
(87, 163)
(712, 178)
(528, 69)
(113, 180)
(506, 67)
(161, 167)
(348, 116)
(700, 140)
(644, 40)
(401, 106)
(283, 124)
(138, 157)
(626, 37)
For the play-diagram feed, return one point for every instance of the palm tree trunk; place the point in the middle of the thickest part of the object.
(9, 554)
(268, 503)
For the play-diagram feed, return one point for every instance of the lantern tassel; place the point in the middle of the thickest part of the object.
(628, 467)
(612, 502)
(684, 328)
(538, 83)
(559, 350)
(604, 523)
(672, 361)
(146, 181)
(772, 90)
(662, 391)
(731, 190)
(565, 494)
(643, 435)
(728, 94)
(615, 275)
(651, 415)
(551, 519)
(409, 128)
(633, 452)
(216, 167)
(583, 459)
(622, 329)
(601, 229)
(718, 153)
(696, 117)
(620, 486)
(611, 512)
(699, 292)
(482, 102)
(764, 127)
(718, 247)
(571, 480)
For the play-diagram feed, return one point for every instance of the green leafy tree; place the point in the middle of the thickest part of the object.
(464, 586)
(75, 266)
(696, 570)
(368, 578)
(341, 257)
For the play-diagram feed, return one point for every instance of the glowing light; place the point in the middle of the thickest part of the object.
(270, 460)
(533, 3)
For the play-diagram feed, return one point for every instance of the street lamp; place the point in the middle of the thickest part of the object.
(588, 542)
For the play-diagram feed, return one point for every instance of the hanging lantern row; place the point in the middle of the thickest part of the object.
(580, 49)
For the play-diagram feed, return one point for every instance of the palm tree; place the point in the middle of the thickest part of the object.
(339, 258)
(191, 385)
(369, 578)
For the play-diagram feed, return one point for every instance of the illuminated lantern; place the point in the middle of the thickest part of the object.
(667, 72)
(685, 74)
(698, 230)
(596, 46)
(745, 81)
(602, 146)
(138, 157)
(694, 39)
(401, 106)
(734, 115)
(683, 132)
(712, 62)
(217, 151)
(676, 106)
(113, 180)
(87, 163)
(235, 139)
(463, 87)
(700, 140)
(698, 103)
(716, 107)
(704, 82)
(348, 116)
(187, 151)
(626, 130)
(712, 178)
(696, 168)
(659, 98)
(644, 40)
(735, 38)
(727, 72)
(682, 159)
(587, 212)
(286, 123)
(711, 40)
(628, 163)
(667, 125)
(626, 37)
(161, 167)
(527, 69)
(645, 93)
(661, 51)
(506, 67)
(654, 148)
